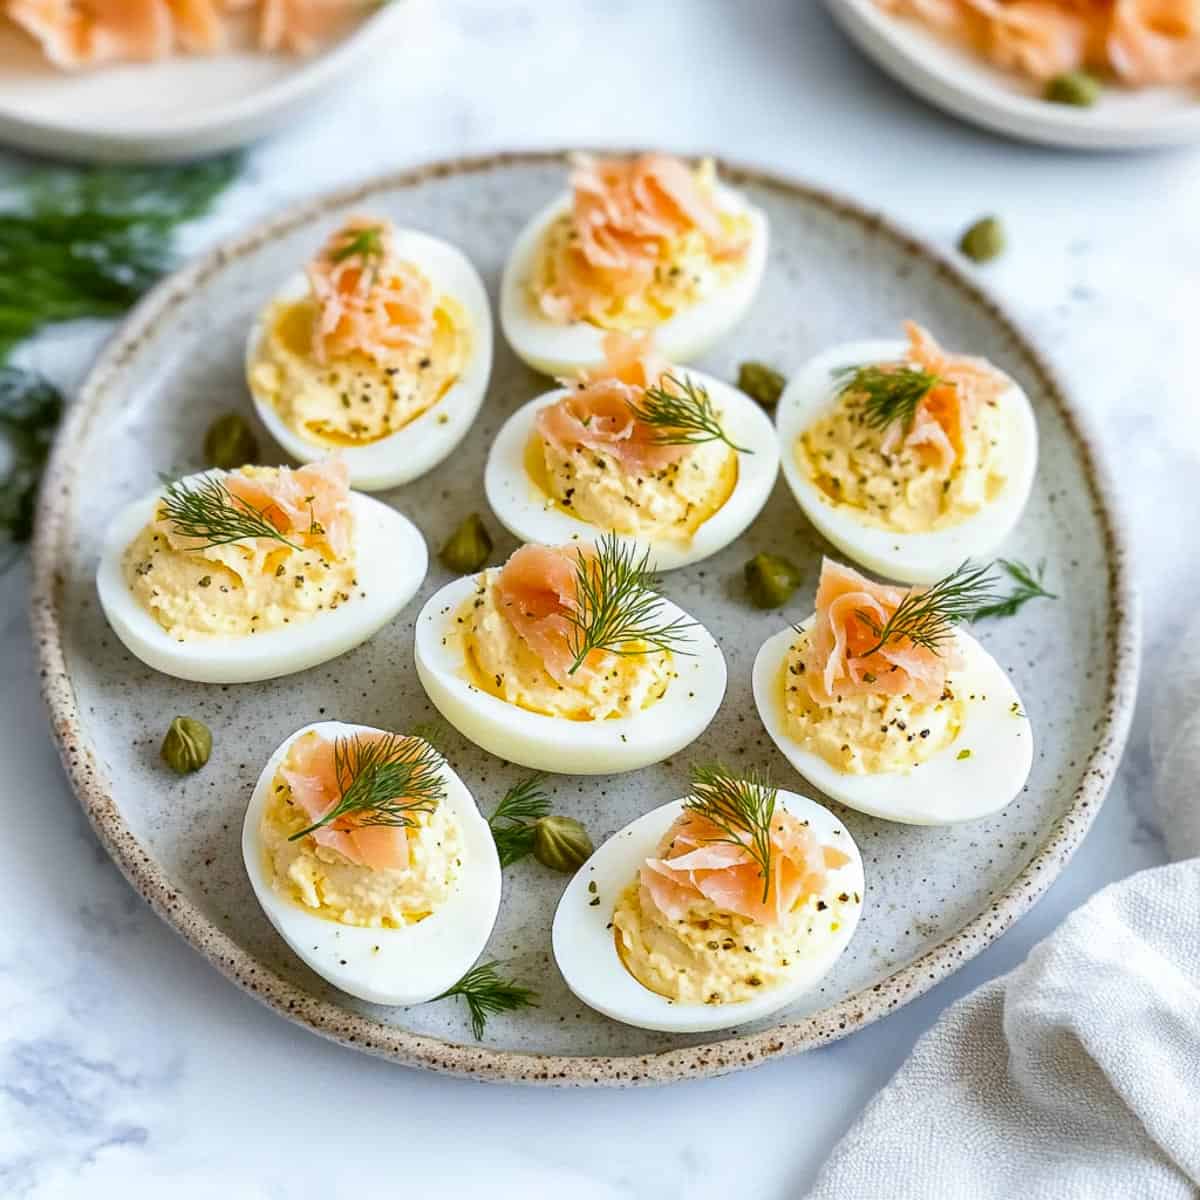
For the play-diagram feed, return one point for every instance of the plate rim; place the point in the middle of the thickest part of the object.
(230, 123)
(96, 793)
(970, 96)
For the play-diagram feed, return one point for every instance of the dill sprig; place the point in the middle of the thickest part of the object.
(385, 781)
(366, 244)
(682, 414)
(617, 607)
(926, 616)
(211, 513)
(741, 807)
(890, 394)
(486, 993)
(513, 823)
(1028, 587)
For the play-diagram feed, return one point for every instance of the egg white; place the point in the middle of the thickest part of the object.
(910, 557)
(419, 446)
(586, 950)
(943, 790)
(385, 966)
(565, 349)
(532, 515)
(555, 744)
(391, 560)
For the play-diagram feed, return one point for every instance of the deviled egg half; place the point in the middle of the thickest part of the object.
(230, 577)
(712, 911)
(881, 703)
(907, 458)
(647, 243)
(565, 660)
(672, 461)
(368, 855)
(380, 349)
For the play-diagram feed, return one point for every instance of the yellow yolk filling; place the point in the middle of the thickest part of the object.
(238, 589)
(325, 882)
(904, 491)
(355, 400)
(717, 957)
(501, 664)
(667, 504)
(867, 734)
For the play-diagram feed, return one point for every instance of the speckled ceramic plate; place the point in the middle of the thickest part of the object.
(836, 273)
(970, 88)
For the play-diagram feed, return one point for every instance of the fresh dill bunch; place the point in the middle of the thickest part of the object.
(617, 607)
(88, 243)
(211, 513)
(486, 993)
(889, 394)
(926, 616)
(30, 407)
(682, 414)
(513, 823)
(741, 807)
(385, 781)
(1028, 587)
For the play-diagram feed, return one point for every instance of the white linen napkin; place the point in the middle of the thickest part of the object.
(1076, 1076)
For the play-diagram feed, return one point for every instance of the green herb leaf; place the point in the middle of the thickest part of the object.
(1028, 587)
(616, 605)
(486, 993)
(682, 414)
(30, 408)
(512, 824)
(88, 243)
(209, 512)
(78, 244)
(889, 395)
(926, 616)
(366, 244)
(741, 807)
(383, 782)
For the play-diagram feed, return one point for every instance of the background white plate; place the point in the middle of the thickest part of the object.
(182, 107)
(968, 87)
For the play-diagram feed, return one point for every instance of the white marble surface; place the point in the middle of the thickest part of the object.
(128, 1065)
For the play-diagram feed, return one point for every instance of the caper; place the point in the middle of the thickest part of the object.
(230, 442)
(468, 547)
(1075, 87)
(984, 240)
(771, 579)
(561, 843)
(761, 383)
(187, 745)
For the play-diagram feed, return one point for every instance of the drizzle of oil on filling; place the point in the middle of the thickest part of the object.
(355, 400)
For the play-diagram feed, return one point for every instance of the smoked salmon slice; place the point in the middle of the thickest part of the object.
(367, 299)
(311, 500)
(940, 422)
(1141, 42)
(597, 415)
(536, 592)
(76, 34)
(311, 774)
(625, 212)
(840, 659)
(699, 865)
